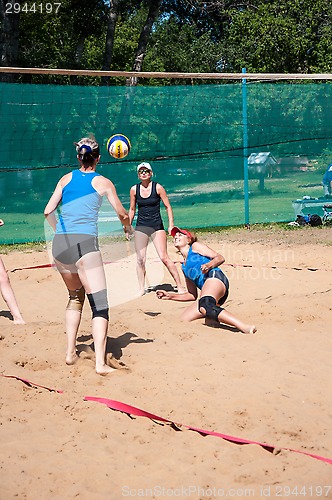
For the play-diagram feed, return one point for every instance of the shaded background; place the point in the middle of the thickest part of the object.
(192, 135)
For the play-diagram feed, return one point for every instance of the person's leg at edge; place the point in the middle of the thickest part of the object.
(8, 295)
(141, 244)
(159, 240)
(92, 275)
(72, 316)
(213, 287)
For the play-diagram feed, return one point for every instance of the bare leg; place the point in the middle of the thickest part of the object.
(141, 244)
(9, 296)
(99, 333)
(72, 318)
(228, 319)
(191, 313)
(159, 240)
(92, 275)
(89, 274)
(216, 288)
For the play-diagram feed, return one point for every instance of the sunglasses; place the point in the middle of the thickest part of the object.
(144, 171)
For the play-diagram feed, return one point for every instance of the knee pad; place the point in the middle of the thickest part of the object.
(210, 305)
(76, 300)
(99, 304)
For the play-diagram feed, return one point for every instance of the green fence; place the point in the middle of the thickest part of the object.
(192, 135)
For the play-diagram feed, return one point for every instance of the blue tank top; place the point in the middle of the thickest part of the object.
(149, 209)
(192, 267)
(80, 205)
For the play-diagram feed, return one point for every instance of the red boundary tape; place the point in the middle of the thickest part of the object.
(132, 410)
(31, 384)
(42, 266)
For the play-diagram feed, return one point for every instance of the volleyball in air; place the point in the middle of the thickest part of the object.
(118, 146)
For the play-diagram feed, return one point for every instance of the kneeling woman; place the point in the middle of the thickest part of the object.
(201, 271)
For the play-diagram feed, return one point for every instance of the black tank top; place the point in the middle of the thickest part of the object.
(149, 209)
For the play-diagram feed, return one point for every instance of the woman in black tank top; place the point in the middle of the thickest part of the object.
(146, 196)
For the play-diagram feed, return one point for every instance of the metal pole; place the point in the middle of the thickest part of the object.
(245, 149)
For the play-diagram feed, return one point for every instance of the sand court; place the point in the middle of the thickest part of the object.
(272, 387)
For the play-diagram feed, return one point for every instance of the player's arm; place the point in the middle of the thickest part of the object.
(132, 208)
(54, 201)
(164, 198)
(105, 187)
(188, 296)
(216, 258)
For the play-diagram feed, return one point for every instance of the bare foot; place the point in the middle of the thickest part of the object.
(71, 358)
(18, 321)
(104, 369)
(250, 329)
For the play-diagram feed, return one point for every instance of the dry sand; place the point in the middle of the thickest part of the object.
(272, 387)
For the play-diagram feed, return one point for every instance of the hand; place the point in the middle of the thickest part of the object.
(170, 230)
(129, 232)
(161, 294)
(205, 268)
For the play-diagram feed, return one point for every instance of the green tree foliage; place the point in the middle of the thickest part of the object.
(188, 36)
(177, 47)
(279, 36)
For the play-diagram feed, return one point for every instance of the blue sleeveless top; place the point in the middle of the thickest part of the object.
(80, 205)
(149, 209)
(192, 268)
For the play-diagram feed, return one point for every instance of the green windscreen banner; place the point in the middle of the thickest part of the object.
(193, 136)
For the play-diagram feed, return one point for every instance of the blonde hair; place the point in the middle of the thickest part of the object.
(87, 150)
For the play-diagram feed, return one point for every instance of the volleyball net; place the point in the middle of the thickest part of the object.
(197, 137)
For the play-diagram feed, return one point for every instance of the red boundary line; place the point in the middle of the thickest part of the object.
(43, 266)
(132, 410)
(31, 384)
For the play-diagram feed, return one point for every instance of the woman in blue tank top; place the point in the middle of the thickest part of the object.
(202, 272)
(75, 246)
(146, 195)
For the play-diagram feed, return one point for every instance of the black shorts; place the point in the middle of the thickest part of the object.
(149, 230)
(217, 273)
(69, 248)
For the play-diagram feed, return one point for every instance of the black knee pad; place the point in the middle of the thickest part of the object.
(99, 304)
(210, 305)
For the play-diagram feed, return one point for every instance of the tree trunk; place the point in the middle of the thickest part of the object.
(112, 19)
(74, 79)
(9, 37)
(144, 40)
(79, 51)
